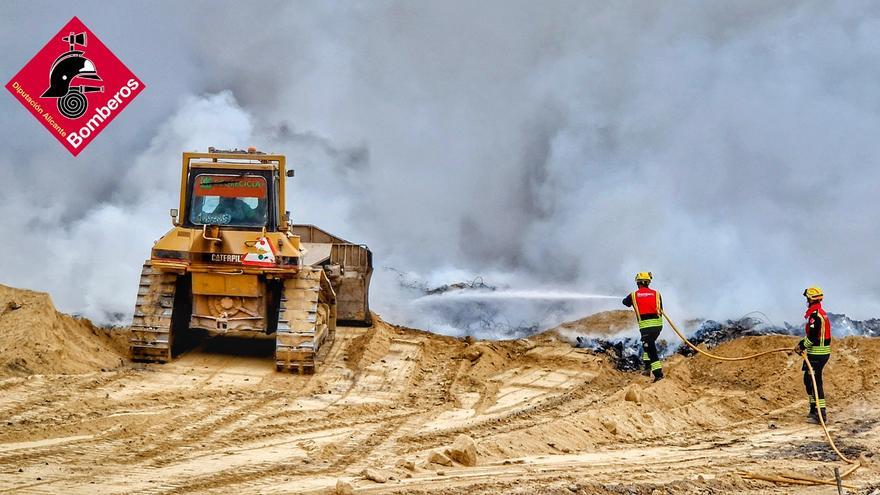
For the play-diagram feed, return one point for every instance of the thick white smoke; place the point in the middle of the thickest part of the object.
(563, 146)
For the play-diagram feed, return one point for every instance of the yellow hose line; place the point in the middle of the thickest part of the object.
(822, 420)
(776, 479)
(795, 480)
(791, 479)
(830, 481)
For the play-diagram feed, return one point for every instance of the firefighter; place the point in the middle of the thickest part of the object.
(817, 344)
(648, 306)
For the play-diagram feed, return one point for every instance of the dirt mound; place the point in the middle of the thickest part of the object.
(698, 393)
(37, 339)
(605, 323)
(377, 341)
(368, 348)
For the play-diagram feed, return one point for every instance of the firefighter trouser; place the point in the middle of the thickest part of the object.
(818, 362)
(649, 350)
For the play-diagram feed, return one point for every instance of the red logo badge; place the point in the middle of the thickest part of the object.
(75, 86)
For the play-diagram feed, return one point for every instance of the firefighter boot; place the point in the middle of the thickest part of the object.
(813, 417)
(658, 375)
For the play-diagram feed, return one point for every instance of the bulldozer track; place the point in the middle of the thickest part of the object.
(11, 383)
(305, 322)
(151, 335)
(208, 430)
(175, 433)
(34, 403)
(510, 421)
(258, 474)
(239, 477)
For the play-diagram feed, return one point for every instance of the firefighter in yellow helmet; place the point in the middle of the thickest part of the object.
(817, 344)
(648, 306)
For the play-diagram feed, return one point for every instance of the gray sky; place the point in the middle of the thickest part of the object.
(727, 147)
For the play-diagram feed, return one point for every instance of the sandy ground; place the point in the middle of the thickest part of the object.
(547, 419)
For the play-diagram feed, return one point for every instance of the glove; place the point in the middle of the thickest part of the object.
(798, 349)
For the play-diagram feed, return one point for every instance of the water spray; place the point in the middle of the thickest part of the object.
(510, 294)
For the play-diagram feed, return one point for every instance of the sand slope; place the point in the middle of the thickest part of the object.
(35, 338)
(547, 418)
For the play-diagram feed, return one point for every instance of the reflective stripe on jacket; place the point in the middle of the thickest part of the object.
(817, 340)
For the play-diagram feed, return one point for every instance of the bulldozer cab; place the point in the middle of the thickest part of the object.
(242, 190)
(230, 200)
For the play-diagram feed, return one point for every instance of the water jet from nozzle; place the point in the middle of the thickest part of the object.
(511, 294)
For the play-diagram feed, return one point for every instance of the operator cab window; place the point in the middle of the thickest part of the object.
(236, 200)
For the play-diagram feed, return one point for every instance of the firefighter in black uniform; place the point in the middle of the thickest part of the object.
(817, 345)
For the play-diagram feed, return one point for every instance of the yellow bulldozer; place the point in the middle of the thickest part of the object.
(234, 263)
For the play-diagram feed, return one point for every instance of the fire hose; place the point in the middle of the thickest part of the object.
(792, 479)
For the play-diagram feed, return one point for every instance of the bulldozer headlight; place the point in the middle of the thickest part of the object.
(288, 260)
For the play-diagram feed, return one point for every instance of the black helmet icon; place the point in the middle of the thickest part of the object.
(72, 103)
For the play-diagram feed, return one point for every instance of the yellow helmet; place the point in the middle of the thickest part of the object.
(813, 294)
(644, 277)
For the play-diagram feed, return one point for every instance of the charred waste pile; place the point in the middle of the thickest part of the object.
(626, 352)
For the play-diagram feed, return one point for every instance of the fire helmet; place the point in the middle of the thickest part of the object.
(813, 294)
(645, 277)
